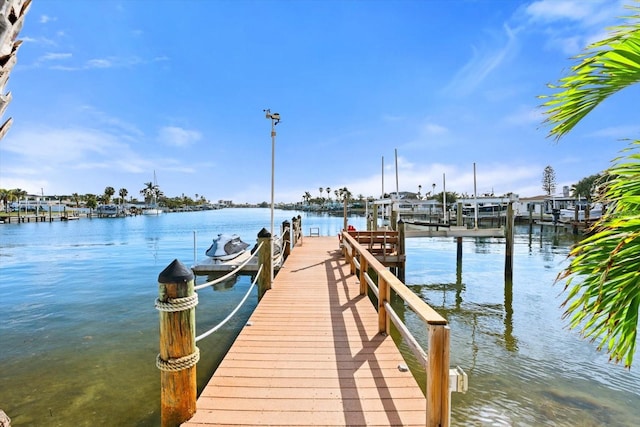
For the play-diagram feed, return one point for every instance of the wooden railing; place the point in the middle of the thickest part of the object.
(377, 242)
(360, 249)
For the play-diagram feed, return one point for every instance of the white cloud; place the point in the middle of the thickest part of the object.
(434, 129)
(60, 159)
(38, 40)
(571, 25)
(70, 147)
(392, 118)
(617, 132)
(525, 117)
(428, 133)
(481, 65)
(46, 18)
(177, 136)
(54, 56)
(552, 10)
(99, 63)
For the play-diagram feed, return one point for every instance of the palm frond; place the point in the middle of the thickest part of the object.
(605, 68)
(603, 277)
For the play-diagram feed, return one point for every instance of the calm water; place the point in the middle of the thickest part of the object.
(79, 333)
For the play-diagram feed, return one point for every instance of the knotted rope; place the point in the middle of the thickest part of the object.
(177, 304)
(178, 364)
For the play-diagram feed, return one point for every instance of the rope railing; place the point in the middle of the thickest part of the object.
(234, 311)
(177, 301)
(278, 258)
(231, 273)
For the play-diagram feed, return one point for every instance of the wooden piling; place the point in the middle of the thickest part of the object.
(265, 260)
(178, 353)
(402, 254)
(393, 220)
(344, 212)
(508, 253)
(458, 249)
(374, 224)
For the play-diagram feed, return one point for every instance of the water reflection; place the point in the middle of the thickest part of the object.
(224, 285)
(524, 366)
(469, 312)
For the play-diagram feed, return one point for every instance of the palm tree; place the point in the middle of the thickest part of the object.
(76, 198)
(92, 202)
(108, 193)
(148, 192)
(16, 194)
(586, 188)
(328, 190)
(306, 197)
(123, 192)
(604, 302)
(4, 197)
(343, 193)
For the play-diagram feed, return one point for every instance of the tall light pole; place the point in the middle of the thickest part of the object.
(275, 119)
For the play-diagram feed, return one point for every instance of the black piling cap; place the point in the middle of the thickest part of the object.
(264, 233)
(400, 221)
(175, 272)
(286, 222)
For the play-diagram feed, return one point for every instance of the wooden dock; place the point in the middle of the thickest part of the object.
(311, 354)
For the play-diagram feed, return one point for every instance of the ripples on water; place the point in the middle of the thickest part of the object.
(79, 333)
(524, 366)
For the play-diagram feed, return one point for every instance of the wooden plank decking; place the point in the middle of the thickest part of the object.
(312, 355)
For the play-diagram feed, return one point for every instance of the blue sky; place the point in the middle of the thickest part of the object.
(107, 92)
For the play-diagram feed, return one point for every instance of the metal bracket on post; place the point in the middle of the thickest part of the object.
(458, 380)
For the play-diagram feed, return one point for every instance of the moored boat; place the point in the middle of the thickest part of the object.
(226, 247)
(151, 211)
(228, 252)
(569, 214)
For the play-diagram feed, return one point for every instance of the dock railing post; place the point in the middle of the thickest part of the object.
(294, 232)
(286, 238)
(265, 259)
(384, 294)
(364, 267)
(438, 396)
(178, 352)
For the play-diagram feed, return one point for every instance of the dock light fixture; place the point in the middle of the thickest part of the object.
(275, 119)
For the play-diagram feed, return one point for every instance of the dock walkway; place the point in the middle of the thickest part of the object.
(311, 354)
